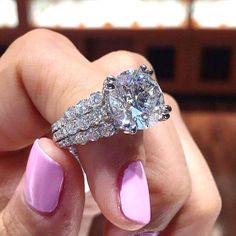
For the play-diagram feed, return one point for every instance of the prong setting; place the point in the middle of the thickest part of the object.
(131, 130)
(164, 117)
(109, 86)
(149, 71)
(143, 68)
(110, 79)
(146, 70)
(167, 109)
(109, 83)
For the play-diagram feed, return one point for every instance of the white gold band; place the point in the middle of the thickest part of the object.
(131, 101)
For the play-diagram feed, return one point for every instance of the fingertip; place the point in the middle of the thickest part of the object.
(49, 147)
(52, 187)
(40, 194)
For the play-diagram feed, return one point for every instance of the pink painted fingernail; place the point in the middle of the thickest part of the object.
(147, 234)
(134, 193)
(43, 180)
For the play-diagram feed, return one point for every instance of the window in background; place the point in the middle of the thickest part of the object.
(163, 61)
(109, 13)
(8, 13)
(214, 13)
(215, 63)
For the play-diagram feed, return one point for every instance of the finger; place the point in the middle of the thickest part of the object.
(200, 212)
(38, 74)
(50, 85)
(12, 167)
(204, 204)
(46, 201)
(47, 76)
(112, 230)
(53, 75)
(162, 155)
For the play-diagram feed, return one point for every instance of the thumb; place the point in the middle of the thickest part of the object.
(49, 199)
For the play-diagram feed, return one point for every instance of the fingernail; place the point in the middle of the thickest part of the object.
(134, 193)
(43, 180)
(147, 234)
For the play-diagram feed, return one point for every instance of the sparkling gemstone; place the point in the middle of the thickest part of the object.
(82, 123)
(107, 130)
(82, 107)
(71, 113)
(95, 98)
(81, 138)
(93, 134)
(124, 122)
(136, 100)
(72, 128)
(59, 135)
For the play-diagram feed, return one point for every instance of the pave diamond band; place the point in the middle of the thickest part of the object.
(88, 120)
(129, 102)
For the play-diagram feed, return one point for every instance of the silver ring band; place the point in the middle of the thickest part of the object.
(87, 121)
(99, 115)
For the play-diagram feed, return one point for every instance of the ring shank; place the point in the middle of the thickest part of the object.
(88, 120)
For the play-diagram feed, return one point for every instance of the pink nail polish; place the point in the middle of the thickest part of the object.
(147, 234)
(43, 180)
(134, 193)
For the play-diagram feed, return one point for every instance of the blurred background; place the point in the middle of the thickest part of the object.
(192, 46)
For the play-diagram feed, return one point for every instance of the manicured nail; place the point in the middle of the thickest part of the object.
(147, 234)
(134, 193)
(43, 180)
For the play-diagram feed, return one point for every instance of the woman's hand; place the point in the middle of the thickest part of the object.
(41, 75)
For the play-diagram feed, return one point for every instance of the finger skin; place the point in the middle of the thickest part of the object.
(201, 209)
(49, 200)
(112, 230)
(44, 74)
(105, 168)
(162, 154)
(41, 75)
(198, 215)
(12, 168)
(49, 75)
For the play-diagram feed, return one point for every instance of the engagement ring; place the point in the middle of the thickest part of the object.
(129, 102)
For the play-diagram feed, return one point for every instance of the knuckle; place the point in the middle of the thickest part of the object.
(44, 36)
(45, 61)
(208, 209)
(203, 208)
(40, 43)
(129, 59)
(40, 33)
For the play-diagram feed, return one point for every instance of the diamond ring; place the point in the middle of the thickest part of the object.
(129, 102)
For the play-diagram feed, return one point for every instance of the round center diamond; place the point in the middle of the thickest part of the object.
(136, 100)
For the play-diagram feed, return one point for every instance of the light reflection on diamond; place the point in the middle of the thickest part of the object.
(136, 98)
